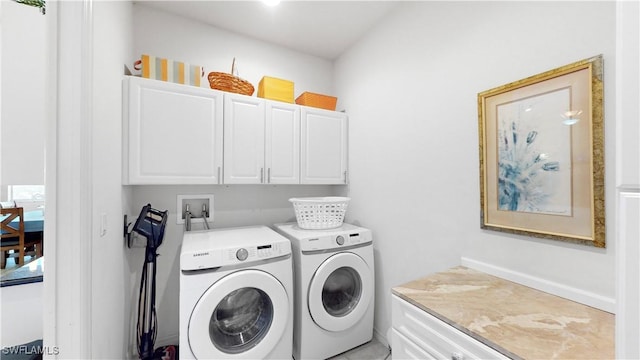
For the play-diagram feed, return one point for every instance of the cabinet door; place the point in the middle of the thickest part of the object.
(243, 139)
(323, 147)
(422, 330)
(404, 348)
(282, 143)
(172, 133)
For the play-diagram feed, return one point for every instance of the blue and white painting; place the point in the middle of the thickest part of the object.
(534, 154)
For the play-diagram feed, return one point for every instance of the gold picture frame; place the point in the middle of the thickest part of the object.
(542, 155)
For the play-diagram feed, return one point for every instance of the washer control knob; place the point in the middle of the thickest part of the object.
(242, 254)
(340, 240)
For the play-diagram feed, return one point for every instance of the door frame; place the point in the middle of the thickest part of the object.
(67, 323)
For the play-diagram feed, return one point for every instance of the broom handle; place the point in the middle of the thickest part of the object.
(233, 66)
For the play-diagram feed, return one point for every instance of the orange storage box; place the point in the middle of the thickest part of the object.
(317, 100)
(276, 89)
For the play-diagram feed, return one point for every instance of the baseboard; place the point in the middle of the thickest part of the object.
(584, 297)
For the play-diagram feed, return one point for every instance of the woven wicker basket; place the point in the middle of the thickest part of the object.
(229, 82)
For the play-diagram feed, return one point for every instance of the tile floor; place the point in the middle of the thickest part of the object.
(373, 350)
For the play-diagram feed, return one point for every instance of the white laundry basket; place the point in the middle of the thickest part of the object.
(316, 213)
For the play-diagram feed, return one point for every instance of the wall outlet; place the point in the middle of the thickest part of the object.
(197, 205)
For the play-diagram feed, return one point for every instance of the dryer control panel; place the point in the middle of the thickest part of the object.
(330, 239)
(335, 241)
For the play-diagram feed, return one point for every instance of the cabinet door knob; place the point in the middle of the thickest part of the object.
(261, 175)
(457, 356)
(269, 175)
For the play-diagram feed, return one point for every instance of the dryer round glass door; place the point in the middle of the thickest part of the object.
(243, 315)
(340, 292)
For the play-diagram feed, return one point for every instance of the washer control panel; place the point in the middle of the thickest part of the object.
(254, 253)
(231, 246)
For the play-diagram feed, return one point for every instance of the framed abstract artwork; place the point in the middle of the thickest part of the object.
(542, 155)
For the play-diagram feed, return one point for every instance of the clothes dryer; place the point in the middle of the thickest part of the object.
(334, 289)
(236, 294)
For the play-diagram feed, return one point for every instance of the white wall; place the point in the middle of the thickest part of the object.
(410, 88)
(23, 43)
(22, 123)
(84, 314)
(165, 35)
(21, 314)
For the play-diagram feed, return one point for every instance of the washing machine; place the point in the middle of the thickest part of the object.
(334, 289)
(236, 294)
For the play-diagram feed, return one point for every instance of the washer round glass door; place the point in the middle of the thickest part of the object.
(243, 315)
(340, 292)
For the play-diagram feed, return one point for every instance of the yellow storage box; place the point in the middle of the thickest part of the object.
(276, 89)
(168, 70)
(317, 100)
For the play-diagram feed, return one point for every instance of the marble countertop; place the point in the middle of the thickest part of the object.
(515, 320)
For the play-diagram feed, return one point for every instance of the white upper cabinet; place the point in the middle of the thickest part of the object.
(261, 141)
(172, 133)
(323, 146)
(180, 134)
(244, 129)
(282, 143)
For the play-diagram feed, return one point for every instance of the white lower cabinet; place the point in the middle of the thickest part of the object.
(403, 348)
(417, 334)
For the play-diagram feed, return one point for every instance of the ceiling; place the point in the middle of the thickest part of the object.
(321, 28)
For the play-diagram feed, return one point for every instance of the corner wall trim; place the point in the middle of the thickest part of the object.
(584, 297)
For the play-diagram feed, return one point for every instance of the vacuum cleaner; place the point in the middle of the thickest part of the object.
(150, 225)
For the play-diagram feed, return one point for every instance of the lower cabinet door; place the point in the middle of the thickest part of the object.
(436, 337)
(403, 348)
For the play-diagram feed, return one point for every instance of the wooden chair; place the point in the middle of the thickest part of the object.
(33, 244)
(12, 238)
